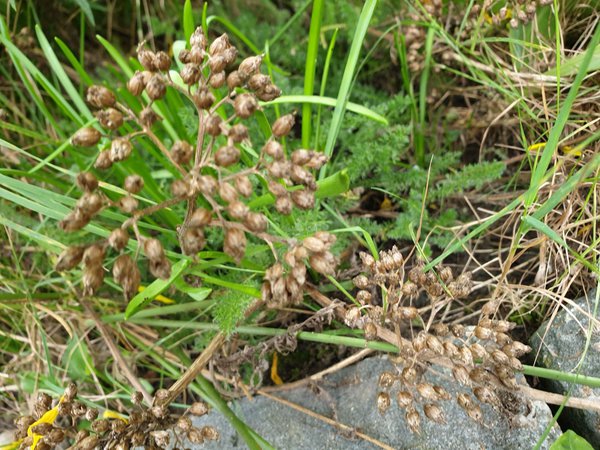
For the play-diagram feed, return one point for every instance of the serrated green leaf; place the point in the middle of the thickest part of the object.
(571, 441)
(156, 287)
(230, 310)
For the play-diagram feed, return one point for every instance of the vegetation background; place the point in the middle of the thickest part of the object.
(462, 132)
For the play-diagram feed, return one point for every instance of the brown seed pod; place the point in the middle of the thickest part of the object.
(153, 249)
(404, 399)
(256, 222)
(207, 185)
(88, 443)
(192, 241)
(146, 58)
(238, 210)
(238, 133)
(161, 438)
(196, 56)
(500, 357)
(245, 105)
(120, 149)
(190, 74)
(110, 118)
(483, 333)
(268, 93)
(133, 184)
(93, 255)
(217, 63)
(386, 380)
(301, 156)
(156, 87)
(89, 203)
(303, 199)
(92, 279)
(360, 281)
(250, 66)
(195, 436)
(434, 412)
(217, 80)
(485, 395)
(234, 80)
(230, 54)
(461, 374)
(180, 188)
(160, 269)
(69, 258)
(413, 420)
(466, 356)
(198, 39)
(465, 401)
(283, 205)
(209, 433)
(86, 137)
(118, 239)
(451, 350)
(162, 61)
(87, 181)
(181, 152)
(409, 375)
(234, 244)
(148, 117)
(274, 150)
(324, 263)
(427, 391)
(204, 98)
(383, 402)
(518, 349)
(258, 81)
(440, 329)
(442, 393)
(137, 83)
(227, 156)
(100, 97)
(283, 125)
(502, 339)
(313, 244)
(419, 342)
(434, 344)
(370, 330)
(410, 289)
(127, 275)
(128, 204)
(478, 351)
(213, 125)
(243, 185)
(227, 192)
(200, 218)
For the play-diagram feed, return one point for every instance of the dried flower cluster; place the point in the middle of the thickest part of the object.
(482, 359)
(147, 427)
(214, 183)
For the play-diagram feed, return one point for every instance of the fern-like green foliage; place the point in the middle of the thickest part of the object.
(380, 158)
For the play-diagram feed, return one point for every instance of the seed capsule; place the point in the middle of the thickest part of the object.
(283, 205)
(87, 181)
(386, 380)
(217, 80)
(370, 331)
(485, 395)
(86, 137)
(234, 244)
(283, 125)
(258, 81)
(383, 402)
(303, 199)
(404, 398)
(238, 210)
(133, 184)
(478, 351)
(156, 87)
(153, 249)
(274, 150)
(409, 375)
(213, 125)
(100, 97)
(192, 241)
(243, 185)
(250, 66)
(118, 239)
(464, 401)
(268, 93)
(245, 105)
(413, 420)
(238, 133)
(442, 393)
(160, 268)
(483, 333)
(219, 45)
(461, 374)
(427, 391)
(120, 149)
(69, 258)
(500, 357)
(227, 192)
(204, 98)
(137, 83)
(148, 117)
(434, 413)
(200, 218)
(147, 59)
(475, 413)
(128, 204)
(162, 61)
(110, 118)
(312, 244)
(234, 80)
(190, 74)
(434, 344)
(227, 155)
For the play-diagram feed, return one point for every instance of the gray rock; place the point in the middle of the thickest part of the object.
(349, 396)
(559, 344)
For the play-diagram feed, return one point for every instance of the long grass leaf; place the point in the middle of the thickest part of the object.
(310, 68)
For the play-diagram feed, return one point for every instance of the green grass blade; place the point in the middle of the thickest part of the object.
(188, 20)
(344, 90)
(74, 62)
(324, 77)
(310, 68)
(328, 101)
(155, 288)
(420, 131)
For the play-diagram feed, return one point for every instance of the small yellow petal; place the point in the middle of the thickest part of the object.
(274, 375)
(536, 147)
(108, 414)
(572, 151)
(159, 298)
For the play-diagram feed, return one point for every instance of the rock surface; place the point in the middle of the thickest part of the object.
(559, 344)
(349, 396)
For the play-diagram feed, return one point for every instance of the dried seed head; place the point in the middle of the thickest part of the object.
(128, 204)
(243, 185)
(213, 125)
(370, 330)
(420, 342)
(404, 398)
(386, 380)
(146, 58)
(120, 149)
(383, 402)
(192, 241)
(485, 395)
(181, 152)
(301, 156)
(110, 118)
(160, 269)
(283, 205)
(238, 210)
(162, 61)
(360, 281)
(198, 409)
(258, 81)
(227, 192)
(93, 255)
(148, 117)
(413, 420)
(274, 150)
(478, 351)
(88, 443)
(217, 79)
(209, 433)
(101, 425)
(442, 393)
(219, 45)
(503, 326)
(207, 184)
(137, 83)
(303, 198)
(91, 414)
(445, 274)
(234, 79)
(434, 413)
(190, 74)
(136, 397)
(283, 125)
(156, 87)
(204, 98)
(434, 344)
(87, 181)
(427, 391)
(69, 258)
(238, 133)
(250, 66)
(465, 401)
(457, 330)
(410, 289)
(483, 333)
(461, 374)
(100, 97)
(217, 63)
(118, 239)
(227, 155)
(475, 413)
(245, 105)
(516, 349)
(133, 184)
(86, 137)
(268, 93)
(127, 275)
(324, 263)
(153, 249)
(198, 39)
(451, 350)
(89, 203)
(200, 218)
(184, 423)
(195, 436)
(466, 356)
(234, 244)
(315, 245)
(500, 357)
(92, 279)
(70, 392)
(352, 317)
(161, 438)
